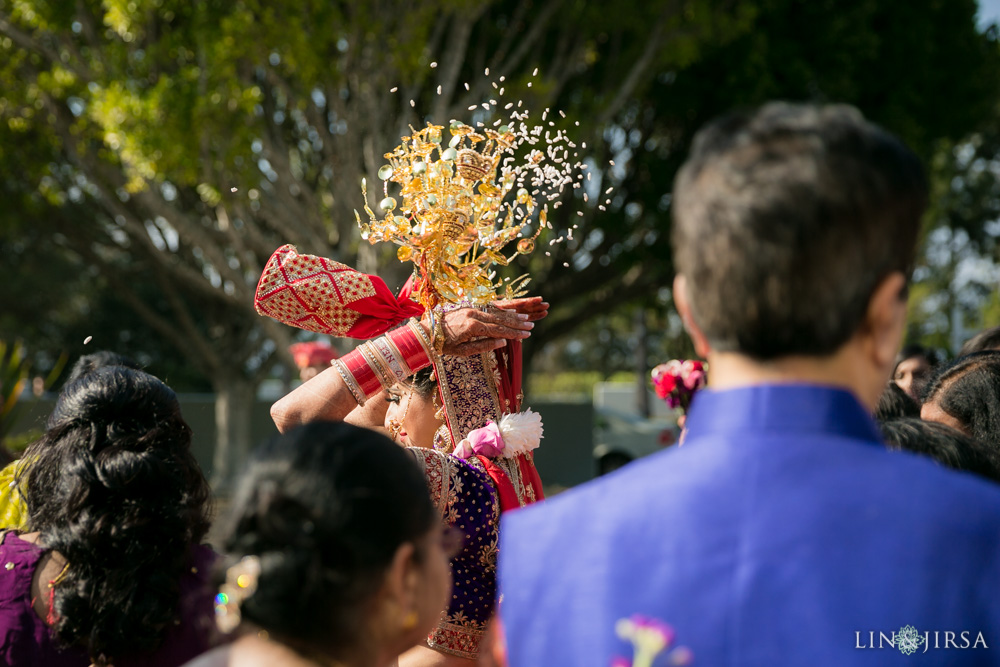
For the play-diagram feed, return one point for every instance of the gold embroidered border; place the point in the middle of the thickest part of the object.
(449, 406)
(530, 458)
(468, 393)
(492, 373)
(439, 471)
(513, 471)
(461, 640)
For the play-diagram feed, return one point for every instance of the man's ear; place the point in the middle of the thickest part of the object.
(701, 347)
(885, 319)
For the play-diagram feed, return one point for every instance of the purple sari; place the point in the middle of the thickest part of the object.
(26, 641)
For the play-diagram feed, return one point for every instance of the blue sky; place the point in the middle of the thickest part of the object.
(989, 11)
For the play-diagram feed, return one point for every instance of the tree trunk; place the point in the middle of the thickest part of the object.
(234, 401)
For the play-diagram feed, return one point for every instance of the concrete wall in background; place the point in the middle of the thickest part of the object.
(564, 459)
(566, 455)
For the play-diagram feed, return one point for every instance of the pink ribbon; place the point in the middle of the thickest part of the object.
(485, 441)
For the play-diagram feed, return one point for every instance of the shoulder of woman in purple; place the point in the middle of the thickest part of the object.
(26, 639)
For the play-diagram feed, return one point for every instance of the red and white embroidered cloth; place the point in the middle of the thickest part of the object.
(321, 295)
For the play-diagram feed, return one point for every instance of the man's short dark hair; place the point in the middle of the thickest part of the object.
(785, 221)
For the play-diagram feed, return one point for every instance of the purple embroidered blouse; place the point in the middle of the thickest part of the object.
(465, 497)
(26, 641)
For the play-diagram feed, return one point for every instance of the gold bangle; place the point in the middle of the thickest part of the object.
(350, 382)
(375, 363)
(422, 336)
(391, 358)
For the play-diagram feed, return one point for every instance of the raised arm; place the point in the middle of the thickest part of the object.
(466, 332)
(324, 397)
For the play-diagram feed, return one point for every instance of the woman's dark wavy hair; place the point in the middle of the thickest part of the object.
(988, 339)
(89, 363)
(324, 507)
(968, 389)
(895, 403)
(949, 447)
(114, 488)
(915, 350)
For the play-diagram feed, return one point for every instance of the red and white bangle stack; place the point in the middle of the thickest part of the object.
(385, 361)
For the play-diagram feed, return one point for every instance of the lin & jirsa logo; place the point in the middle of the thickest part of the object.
(908, 640)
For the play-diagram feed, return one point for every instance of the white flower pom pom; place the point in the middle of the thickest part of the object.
(521, 431)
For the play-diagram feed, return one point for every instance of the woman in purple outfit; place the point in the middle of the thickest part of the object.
(113, 572)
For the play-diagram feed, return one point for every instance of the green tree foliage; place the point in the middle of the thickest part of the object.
(16, 388)
(157, 151)
(174, 145)
(922, 69)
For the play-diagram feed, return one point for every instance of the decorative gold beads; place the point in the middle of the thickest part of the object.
(471, 165)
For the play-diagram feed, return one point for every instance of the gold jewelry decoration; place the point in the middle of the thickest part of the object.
(437, 318)
(59, 577)
(240, 584)
(438, 408)
(442, 439)
(410, 620)
(395, 426)
(463, 204)
(51, 617)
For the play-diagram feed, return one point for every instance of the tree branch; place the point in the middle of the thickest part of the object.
(26, 42)
(539, 23)
(641, 65)
(454, 56)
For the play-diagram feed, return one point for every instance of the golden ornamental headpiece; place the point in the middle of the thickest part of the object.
(464, 203)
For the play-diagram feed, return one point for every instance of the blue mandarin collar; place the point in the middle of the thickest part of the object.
(780, 408)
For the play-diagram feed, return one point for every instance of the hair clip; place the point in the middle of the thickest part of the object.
(241, 582)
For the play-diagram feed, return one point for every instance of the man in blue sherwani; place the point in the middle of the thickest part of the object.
(782, 532)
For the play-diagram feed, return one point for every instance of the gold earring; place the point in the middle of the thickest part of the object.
(410, 621)
(438, 408)
(396, 425)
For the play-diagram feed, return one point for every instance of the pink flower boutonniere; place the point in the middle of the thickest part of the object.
(677, 381)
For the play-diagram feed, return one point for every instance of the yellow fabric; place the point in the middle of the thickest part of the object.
(13, 511)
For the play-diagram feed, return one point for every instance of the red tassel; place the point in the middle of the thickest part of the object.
(52, 618)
